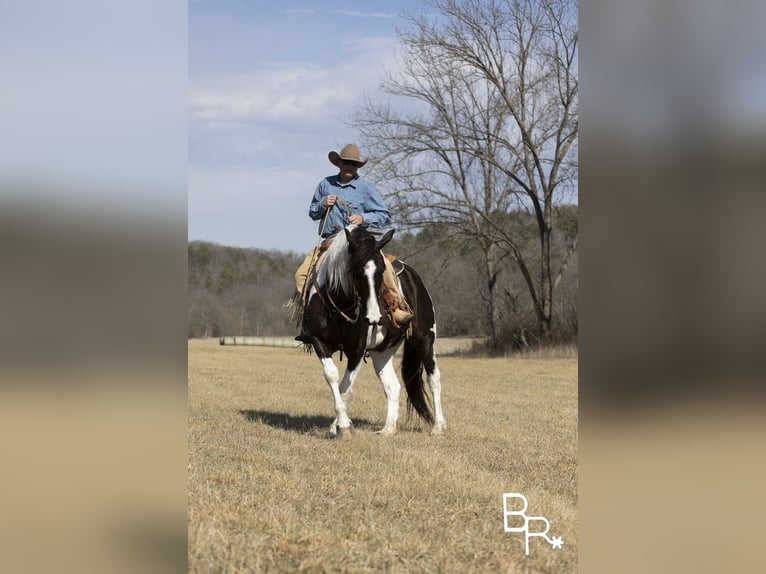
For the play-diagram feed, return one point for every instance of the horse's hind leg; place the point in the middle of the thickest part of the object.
(433, 376)
(347, 384)
(434, 382)
(384, 367)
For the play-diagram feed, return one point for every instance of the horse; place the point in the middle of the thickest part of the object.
(343, 313)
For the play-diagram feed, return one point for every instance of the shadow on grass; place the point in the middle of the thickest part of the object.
(297, 423)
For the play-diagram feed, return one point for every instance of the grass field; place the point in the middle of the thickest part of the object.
(268, 492)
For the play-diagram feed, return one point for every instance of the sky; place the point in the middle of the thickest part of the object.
(271, 85)
(91, 106)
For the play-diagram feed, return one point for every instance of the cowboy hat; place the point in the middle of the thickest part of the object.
(350, 153)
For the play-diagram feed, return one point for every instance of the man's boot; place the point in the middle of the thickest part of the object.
(399, 315)
(397, 307)
(299, 304)
(304, 337)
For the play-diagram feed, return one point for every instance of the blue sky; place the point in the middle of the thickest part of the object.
(270, 85)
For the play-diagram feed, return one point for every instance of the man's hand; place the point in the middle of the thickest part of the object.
(355, 219)
(329, 200)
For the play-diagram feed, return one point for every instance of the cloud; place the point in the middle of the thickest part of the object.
(289, 92)
(259, 133)
(294, 92)
(365, 14)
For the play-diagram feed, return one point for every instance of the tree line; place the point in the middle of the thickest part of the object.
(242, 291)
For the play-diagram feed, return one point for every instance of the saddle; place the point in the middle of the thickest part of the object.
(395, 263)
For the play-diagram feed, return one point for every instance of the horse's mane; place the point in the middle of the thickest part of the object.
(334, 269)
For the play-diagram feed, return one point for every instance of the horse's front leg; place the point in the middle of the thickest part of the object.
(384, 367)
(340, 426)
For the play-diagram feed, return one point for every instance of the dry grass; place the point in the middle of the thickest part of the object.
(269, 493)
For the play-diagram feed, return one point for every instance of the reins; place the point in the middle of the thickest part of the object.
(326, 213)
(326, 298)
(312, 266)
(314, 258)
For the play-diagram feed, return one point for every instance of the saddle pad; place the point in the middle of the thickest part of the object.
(395, 263)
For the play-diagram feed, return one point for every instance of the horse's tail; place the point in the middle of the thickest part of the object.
(412, 373)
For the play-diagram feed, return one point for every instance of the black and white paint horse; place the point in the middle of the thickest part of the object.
(344, 313)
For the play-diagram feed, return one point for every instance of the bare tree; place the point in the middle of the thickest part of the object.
(483, 123)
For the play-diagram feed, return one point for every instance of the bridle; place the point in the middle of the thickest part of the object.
(330, 303)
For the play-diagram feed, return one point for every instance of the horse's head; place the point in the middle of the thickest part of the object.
(366, 267)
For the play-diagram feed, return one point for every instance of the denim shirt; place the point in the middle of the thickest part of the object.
(359, 196)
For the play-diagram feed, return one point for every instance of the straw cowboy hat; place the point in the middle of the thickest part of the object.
(350, 152)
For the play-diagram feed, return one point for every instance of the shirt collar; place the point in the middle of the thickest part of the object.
(352, 183)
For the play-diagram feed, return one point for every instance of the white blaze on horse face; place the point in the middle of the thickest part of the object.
(373, 310)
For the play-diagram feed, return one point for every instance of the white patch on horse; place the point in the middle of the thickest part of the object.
(434, 381)
(375, 336)
(347, 384)
(373, 310)
(332, 377)
(384, 367)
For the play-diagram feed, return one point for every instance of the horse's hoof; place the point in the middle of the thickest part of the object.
(386, 431)
(344, 433)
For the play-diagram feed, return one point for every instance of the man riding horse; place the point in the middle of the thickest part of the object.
(348, 198)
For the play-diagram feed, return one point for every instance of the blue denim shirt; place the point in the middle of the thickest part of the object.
(359, 196)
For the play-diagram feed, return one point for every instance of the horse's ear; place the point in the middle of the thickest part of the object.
(351, 245)
(385, 239)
